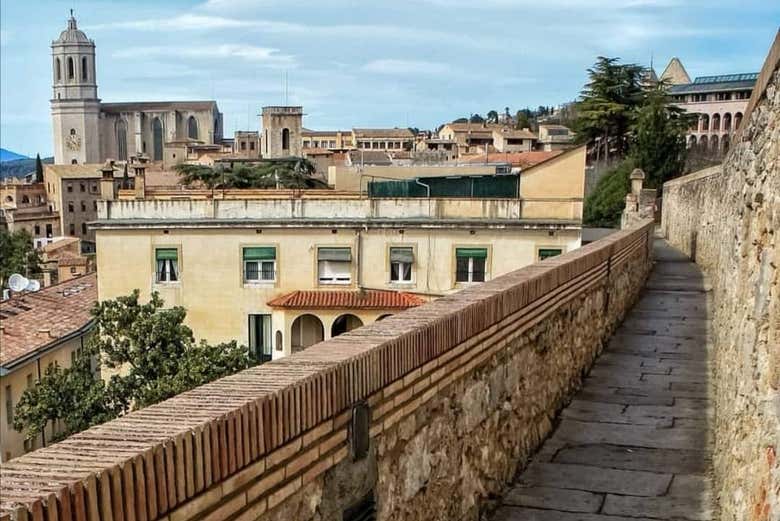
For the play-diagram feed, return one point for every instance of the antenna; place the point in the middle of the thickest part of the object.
(18, 283)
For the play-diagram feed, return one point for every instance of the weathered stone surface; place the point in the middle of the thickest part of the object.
(554, 499)
(727, 219)
(636, 458)
(596, 479)
(532, 514)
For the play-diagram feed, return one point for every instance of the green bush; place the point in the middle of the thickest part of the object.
(604, 206)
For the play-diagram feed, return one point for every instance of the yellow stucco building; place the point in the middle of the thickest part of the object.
(278, 272)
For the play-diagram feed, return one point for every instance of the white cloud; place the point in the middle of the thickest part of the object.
(403, 67)
(261, 55)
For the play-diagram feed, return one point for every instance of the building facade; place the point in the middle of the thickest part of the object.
(285, 272)
(719, 101)
(37, 330)
(282, 131)
(87, 131)
(25, 206)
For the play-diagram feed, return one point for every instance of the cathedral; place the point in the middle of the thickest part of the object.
(88, 131)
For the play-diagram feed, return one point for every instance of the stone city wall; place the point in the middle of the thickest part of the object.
(459, 393)
(727, 219)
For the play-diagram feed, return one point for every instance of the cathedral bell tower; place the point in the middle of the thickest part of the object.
(75, 107)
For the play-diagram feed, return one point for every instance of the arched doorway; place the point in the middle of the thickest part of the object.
(306, 331)
(345, 323)
(192, 128)
(737, 120)
(157, 140)
(727, 122)
(715, 122)
(704, 123)
(121, 140)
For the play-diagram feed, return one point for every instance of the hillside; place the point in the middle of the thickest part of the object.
(20, 167)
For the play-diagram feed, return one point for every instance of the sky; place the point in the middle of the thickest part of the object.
(372, 63)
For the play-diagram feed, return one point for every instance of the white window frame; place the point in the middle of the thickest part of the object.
(260, 271)
(343, 278)
(401, 267)
(162, 272)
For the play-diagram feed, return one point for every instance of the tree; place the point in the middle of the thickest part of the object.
(606, 110)
(523, 119)
(492, 117)
(476, 118)
(38, 169)
(17, 255)
(280, 173)
(659, 146)
(604, 206)
(461, 120)
(154, 353)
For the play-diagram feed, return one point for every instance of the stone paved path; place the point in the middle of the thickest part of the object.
(633, 443)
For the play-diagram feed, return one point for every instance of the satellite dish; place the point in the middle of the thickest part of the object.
(33, 285)
(18, 282)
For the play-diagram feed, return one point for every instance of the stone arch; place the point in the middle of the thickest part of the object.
(715, 125)
(691, 141)
(278, 341)
(725, 143)
(71, 69)
(727, 122)
(25, 199)
(344, 323)
(737, 120)
(306, 331)
(157, 140)
(703, 143)
(704, 123)
(9, 199)
(121, 140)
(714, 143)
(285, 139)
(192, 127)
(57, 70)
(84, 68)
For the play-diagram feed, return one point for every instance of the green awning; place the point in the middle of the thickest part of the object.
(476, 253)
(167, 254)
(260, 253)
(402, 255)
(546, 253)
(334, 254)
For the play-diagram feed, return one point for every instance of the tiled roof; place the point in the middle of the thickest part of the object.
(66, 241)
(133, 106)
(515, 133)
(517, 159)
(383, 132)
(68, 259)
(369, 157)
(368, 299)
(32, 321)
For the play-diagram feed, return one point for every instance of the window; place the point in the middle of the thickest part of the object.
(546, 253)
(285, 139)
(71, 69)
(69, 187)
(29, 380)
(9, 406)
(84, 68)
(192, 128)
(243, 145)
(251, 145)
(334, 265)
(83, 228)
(83, 186)
(83, 206)
(94, 205)
(72, 229)
(37, 229)
(73, 270)
(70, 206)
(167, 264)
(259, 264)
(93, 187)
(470, 264)
(57, 69)
(260, 337)
(74, 161)
(48, 230)
(401, 260)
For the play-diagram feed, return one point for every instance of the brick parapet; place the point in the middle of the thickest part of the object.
(243, 445)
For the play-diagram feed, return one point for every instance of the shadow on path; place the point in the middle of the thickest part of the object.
(633, 443)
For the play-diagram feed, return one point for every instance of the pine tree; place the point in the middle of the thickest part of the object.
(38, 169)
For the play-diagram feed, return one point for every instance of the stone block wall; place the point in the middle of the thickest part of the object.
(460, 393)
(727, 219)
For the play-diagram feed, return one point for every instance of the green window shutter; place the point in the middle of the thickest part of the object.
(260, 253)
(476, 253)
(334, 254)
(166, 254)
(545, 253)
(402, 255)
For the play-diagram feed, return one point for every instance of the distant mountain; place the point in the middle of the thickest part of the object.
(7, 155)
(19, 167)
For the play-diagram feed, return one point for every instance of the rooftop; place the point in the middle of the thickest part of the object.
(516, 159)
(367, 299)
(725, 82)
(158, 105)
(33, 321)
(383, 132)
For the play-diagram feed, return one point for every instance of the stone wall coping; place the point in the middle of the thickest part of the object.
(694, 176)
(282, 421)
(771, 63)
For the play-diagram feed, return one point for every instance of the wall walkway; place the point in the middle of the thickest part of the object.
(634, 443)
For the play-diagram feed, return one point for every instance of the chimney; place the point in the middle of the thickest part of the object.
(637, 178)
(107, 192)
(139, 169)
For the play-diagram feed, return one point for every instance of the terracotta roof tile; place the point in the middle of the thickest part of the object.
(518, 159)
(32, 320)
(335, 299)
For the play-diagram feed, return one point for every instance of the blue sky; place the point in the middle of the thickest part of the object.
(363, 64)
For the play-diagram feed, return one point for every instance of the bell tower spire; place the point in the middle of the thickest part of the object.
(75, 106)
